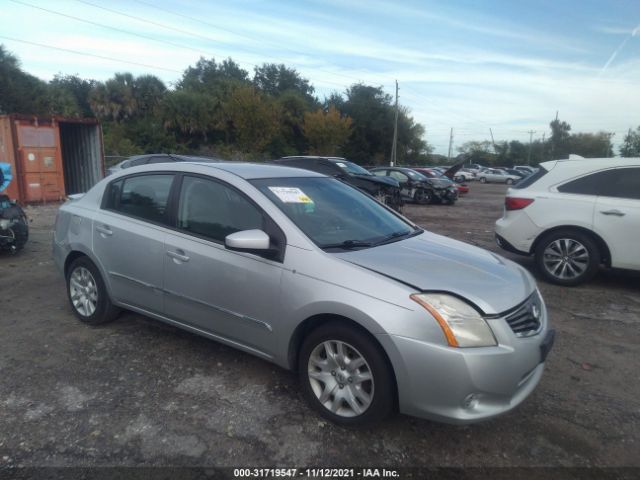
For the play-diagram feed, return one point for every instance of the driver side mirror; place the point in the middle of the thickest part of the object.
(246, 240)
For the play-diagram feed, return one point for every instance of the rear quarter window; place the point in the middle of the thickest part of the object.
(531, 179)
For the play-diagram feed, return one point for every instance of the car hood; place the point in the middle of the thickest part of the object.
(433, 262)
(440, 182)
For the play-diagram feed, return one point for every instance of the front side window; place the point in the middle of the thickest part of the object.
(380, 173)
(333, 214)
(622, 183)
(214, 210)
(141, 196)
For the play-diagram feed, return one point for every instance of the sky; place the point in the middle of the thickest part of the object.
(469, 65)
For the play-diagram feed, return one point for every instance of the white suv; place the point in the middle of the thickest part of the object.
(573, 216)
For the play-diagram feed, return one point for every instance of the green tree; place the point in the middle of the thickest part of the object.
(559, 140)
(189, 113)
(252, 121)
(207, 76)
(76, 87)
(21, 92)
(326, 131)
(591, 145)
(275, 79)
(631, 145)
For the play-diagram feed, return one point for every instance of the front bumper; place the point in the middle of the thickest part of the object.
(467, 385)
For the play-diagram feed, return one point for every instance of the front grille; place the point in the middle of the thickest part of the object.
(525, 321)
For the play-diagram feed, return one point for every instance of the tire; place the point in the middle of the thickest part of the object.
(483, 180)
(459, 179)
(87, 293)
(509, 181)
(423, 197)
(353, 403)
(567, 257)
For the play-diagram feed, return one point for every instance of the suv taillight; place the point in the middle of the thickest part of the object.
(515, 203)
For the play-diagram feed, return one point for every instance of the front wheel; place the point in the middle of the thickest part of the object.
(423, 197)
(483, 180)
(345, 376)
(567, 258)
(509, 181)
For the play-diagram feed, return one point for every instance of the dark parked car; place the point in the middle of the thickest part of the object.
(150, 158)
(417, 188)
(386, 190)
(431, 173)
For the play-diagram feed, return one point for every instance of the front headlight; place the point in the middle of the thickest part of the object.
(462, 325)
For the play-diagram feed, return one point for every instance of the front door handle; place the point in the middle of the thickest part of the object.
(104, 230)
(617, 213)
(179, 255)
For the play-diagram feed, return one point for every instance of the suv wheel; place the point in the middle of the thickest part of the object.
(88, 294)
(345, 376)
(567, 257)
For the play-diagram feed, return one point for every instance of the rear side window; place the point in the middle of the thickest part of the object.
(142, 196)
(213, 210)
(531, 179)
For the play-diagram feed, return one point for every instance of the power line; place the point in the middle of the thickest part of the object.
(204, 37)
(76, 52)
(166, 42)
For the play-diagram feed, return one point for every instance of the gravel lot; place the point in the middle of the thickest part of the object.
(137, 392)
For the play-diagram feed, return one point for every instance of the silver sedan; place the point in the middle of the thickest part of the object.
(313, 275)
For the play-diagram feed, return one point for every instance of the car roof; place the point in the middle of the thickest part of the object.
(589, 164)
(245, 170)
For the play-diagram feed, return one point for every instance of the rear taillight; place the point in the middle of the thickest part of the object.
(515, 203)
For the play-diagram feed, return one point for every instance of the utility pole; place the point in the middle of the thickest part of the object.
(543, 145)
(531, 132)
(493, 142)
(394, 146)
(553, 145)
(450, 144)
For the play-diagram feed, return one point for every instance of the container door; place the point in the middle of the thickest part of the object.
(39, 157)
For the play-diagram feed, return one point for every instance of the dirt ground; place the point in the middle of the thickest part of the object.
(137, 392)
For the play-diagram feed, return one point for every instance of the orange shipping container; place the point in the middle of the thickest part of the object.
(50, 157)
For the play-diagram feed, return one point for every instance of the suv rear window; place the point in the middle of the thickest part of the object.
(531, 179)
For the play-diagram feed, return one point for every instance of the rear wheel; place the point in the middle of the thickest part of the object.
(345, 376)
(567, 257)
(483, 180)
(87, 293)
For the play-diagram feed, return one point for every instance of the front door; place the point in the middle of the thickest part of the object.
(227, 293)
(617, 215)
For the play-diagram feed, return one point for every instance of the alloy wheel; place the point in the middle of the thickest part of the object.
(566, 258)
(340, 378)
(83, 291)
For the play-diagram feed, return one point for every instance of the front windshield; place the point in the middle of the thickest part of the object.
(333, 214)
(353, 168)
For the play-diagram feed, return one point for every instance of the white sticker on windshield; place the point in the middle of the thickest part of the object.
(290, 195)
(341, 165)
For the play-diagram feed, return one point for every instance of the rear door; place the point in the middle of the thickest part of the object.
(128, 238)
(227, 293)
(617, 215)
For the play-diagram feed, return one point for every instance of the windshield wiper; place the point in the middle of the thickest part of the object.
(348, 244)
(395, 236)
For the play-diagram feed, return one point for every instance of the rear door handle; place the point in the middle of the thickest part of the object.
(617, 213)
(104, 230)
(179, 255)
